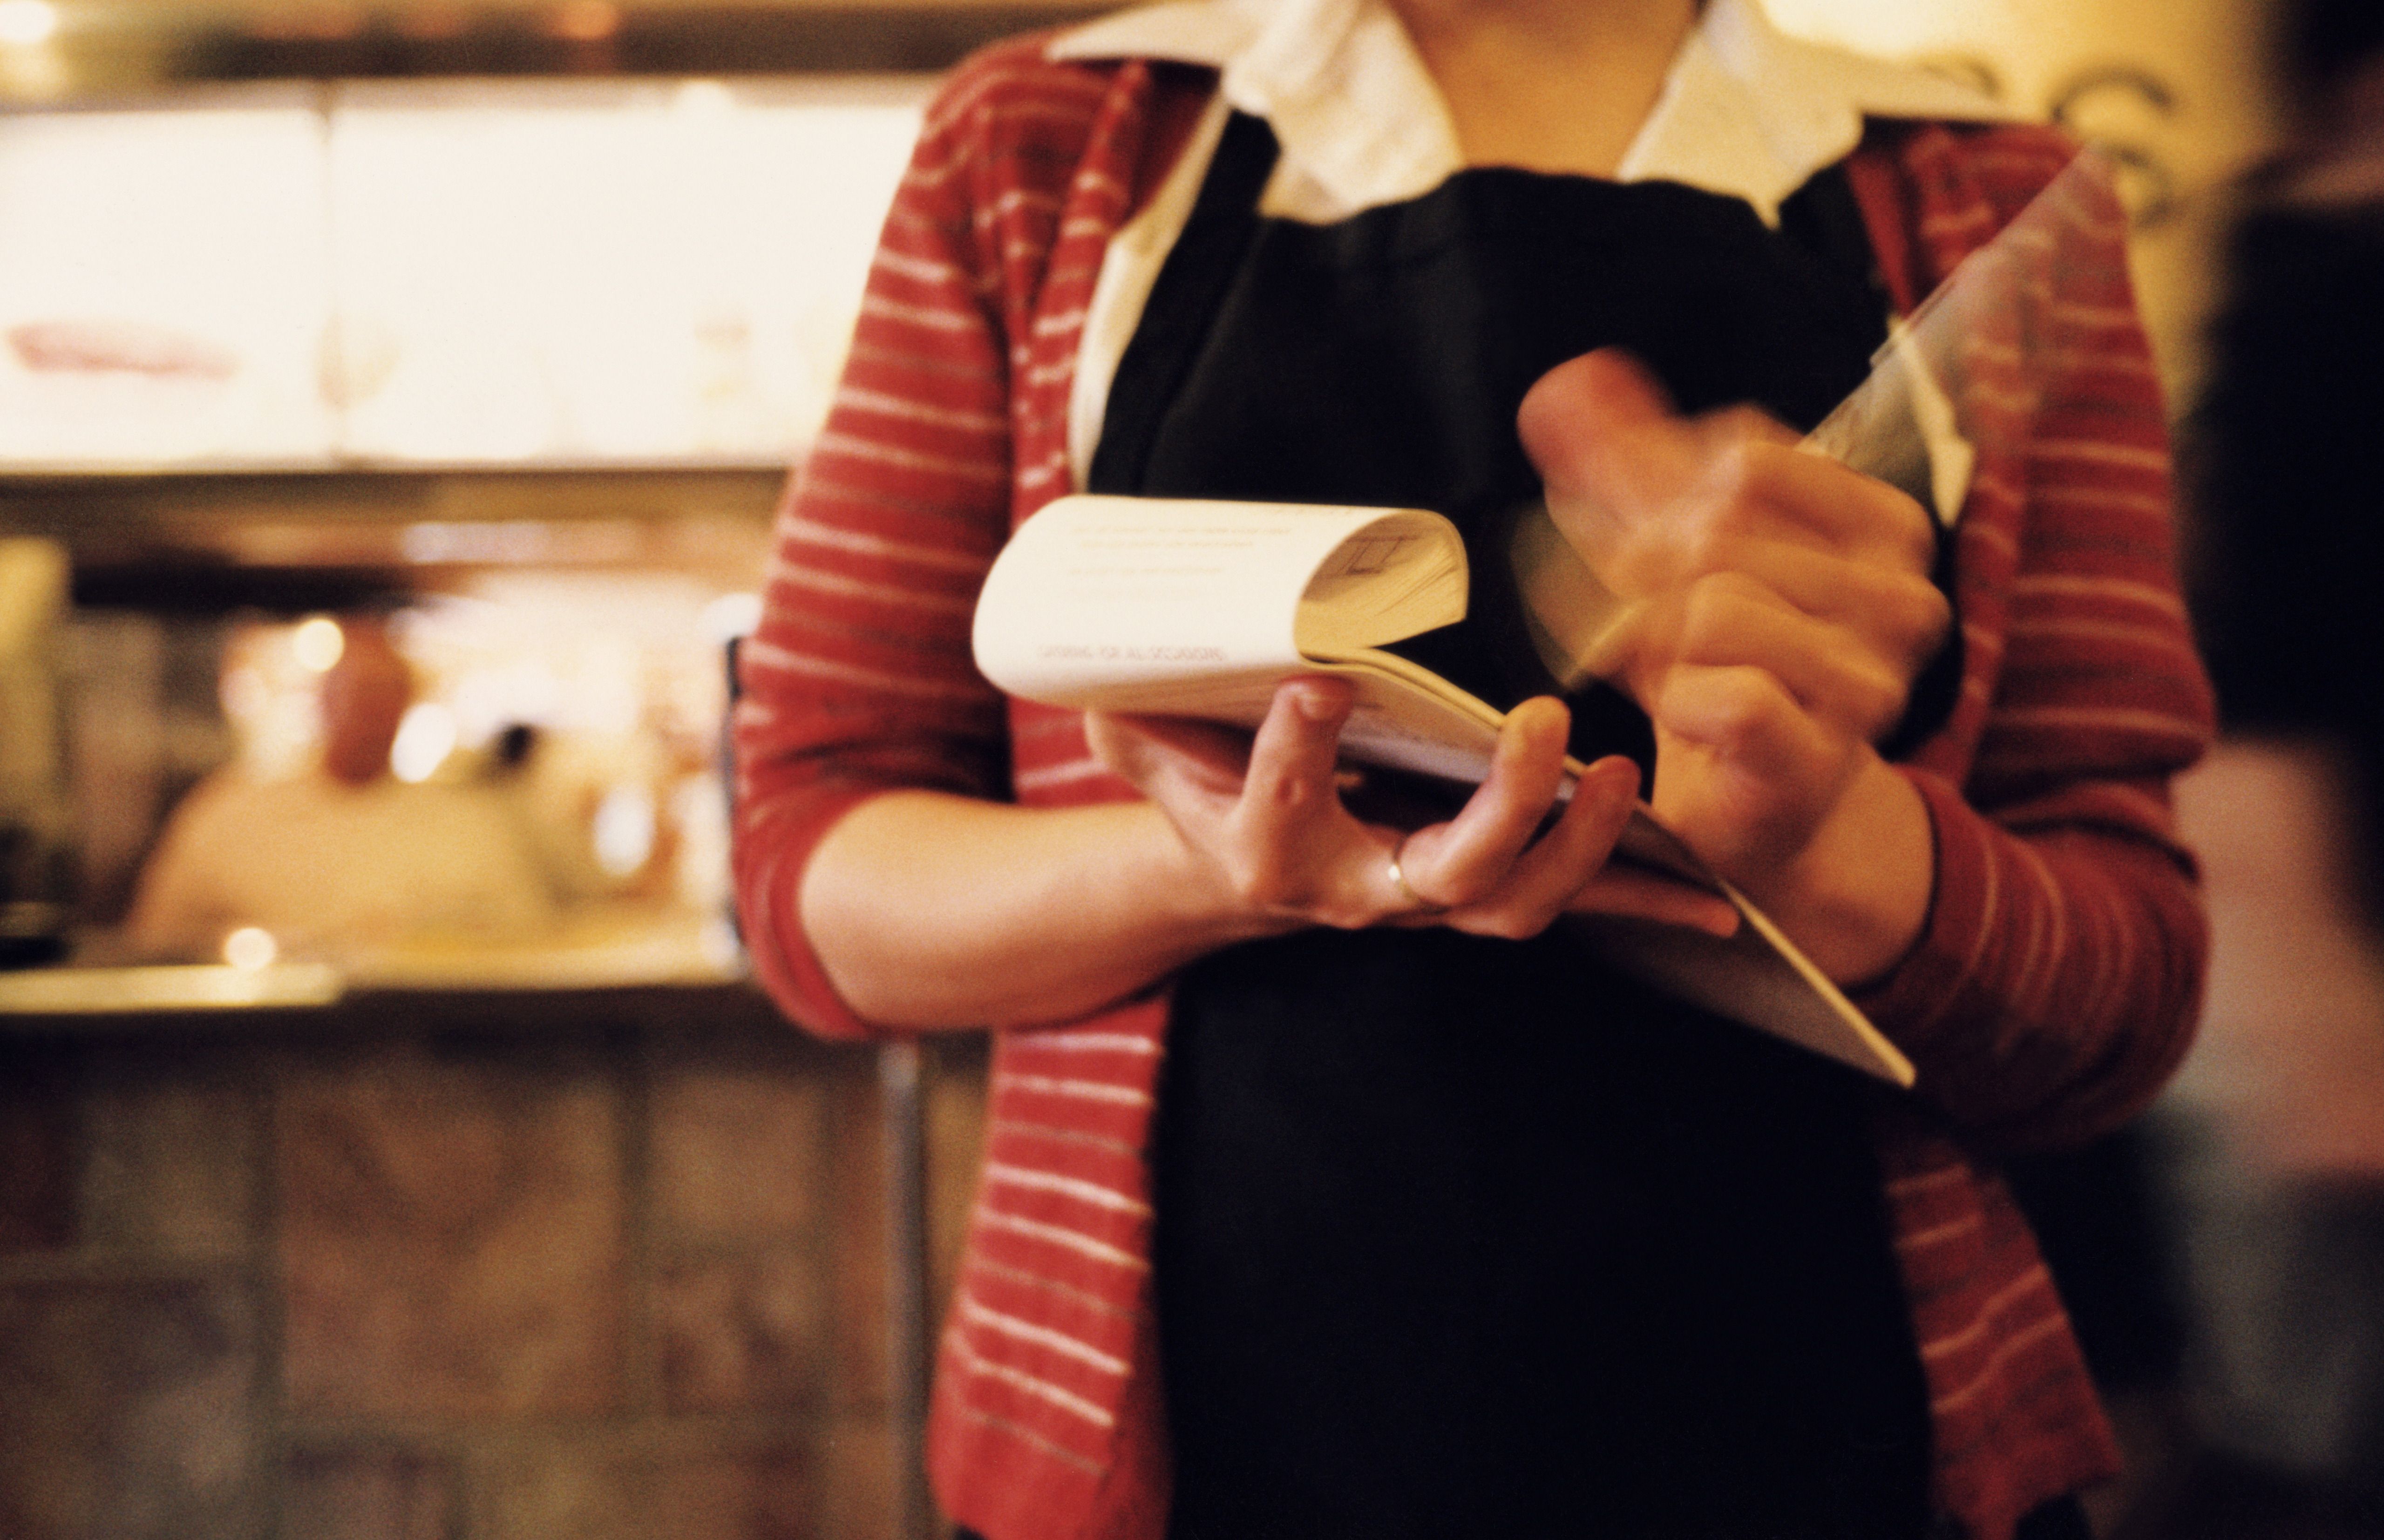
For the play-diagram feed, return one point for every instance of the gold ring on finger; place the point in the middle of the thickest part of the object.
(1400, 880)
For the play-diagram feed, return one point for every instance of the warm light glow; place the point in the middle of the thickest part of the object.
(251, 949)
(719, 235)
(720, 944)
(317, 22)
(704, 99)
(732, 614)
(433, 23)
(583, 22)
(475, 542)
(425, 739)
(624, 830)
(317, 643)
(28, 23)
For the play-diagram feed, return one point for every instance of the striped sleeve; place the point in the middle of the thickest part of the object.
(2058, 977)
(860, 677)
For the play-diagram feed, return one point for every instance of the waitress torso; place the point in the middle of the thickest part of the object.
(1459, 1236)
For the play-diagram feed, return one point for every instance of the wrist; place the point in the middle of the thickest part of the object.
(1193, 899)
(1857, 896)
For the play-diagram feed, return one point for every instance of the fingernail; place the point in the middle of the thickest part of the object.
(1317, 705)
(1559, 715)
(1618, 773)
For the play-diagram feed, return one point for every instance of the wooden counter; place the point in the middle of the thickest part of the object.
(291, 1254)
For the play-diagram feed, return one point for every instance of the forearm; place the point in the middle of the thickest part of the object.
(931, 911)
(2057, 982)
(926, 909)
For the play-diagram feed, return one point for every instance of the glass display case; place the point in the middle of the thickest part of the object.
(438, 274)
(509, 371)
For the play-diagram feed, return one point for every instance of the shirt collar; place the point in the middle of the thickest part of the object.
(1745, 111)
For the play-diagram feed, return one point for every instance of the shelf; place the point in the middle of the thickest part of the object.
(391, 494)
(104, 1008)
(327, 540)
(599, 956)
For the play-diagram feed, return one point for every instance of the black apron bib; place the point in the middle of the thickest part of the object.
(1466, 1237)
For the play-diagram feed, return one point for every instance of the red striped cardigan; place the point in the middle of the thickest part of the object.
(2052, 993)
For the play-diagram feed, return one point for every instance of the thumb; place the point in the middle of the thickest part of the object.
(1589, 423)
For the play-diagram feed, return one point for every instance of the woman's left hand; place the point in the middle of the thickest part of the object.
(1783, 609)
(1262, 820)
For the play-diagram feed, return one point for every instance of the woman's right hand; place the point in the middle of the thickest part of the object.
(1263, 819)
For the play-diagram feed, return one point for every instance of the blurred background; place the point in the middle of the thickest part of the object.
(393, 395)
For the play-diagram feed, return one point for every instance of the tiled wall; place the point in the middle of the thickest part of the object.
(376, 1280)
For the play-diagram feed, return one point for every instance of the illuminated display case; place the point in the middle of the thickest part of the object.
(438, 274)
(447, 353)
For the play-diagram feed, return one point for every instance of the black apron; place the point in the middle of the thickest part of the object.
(1467, 1237)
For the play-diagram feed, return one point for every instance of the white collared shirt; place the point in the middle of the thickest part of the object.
(1745, 111)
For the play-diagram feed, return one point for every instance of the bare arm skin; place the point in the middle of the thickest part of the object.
(935, 910)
